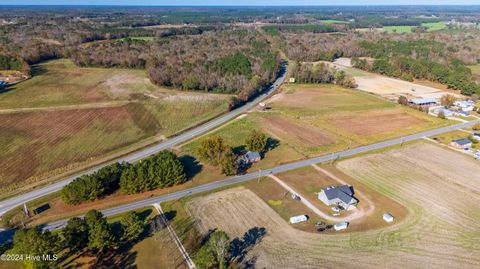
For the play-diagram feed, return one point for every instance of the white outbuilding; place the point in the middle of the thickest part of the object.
(340, 226)
(298, 219)
(387, 217)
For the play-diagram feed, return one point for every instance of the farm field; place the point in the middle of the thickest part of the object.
(65, 117)
(440, 227)
(310, 120)
(432, 26)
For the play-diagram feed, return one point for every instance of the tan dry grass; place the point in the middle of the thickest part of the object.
(309, 135)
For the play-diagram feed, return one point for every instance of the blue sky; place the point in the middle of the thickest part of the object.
(241, 2)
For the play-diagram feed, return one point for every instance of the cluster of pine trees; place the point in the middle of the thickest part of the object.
(157, 171)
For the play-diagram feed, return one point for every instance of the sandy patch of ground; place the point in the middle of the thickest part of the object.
(310, 136)
(115, 84)
(375, 122)
(388, 87)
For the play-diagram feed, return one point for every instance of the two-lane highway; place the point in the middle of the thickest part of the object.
(279, 169)
(19, 200)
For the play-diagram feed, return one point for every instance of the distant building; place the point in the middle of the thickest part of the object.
(340, 226)
(251, 157)
(465, 105)
(476, 136)
(341, 196)
(424, 101)
(463, 143)
(291, 80)
(387, 217)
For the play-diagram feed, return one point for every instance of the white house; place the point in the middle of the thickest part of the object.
(465, 105)
(340, 226)
(341, 196)
(387, 217)
(476, 136)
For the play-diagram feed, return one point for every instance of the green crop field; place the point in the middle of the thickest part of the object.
(434, 26)
(334, 22)
(396, 29)
(65, 117)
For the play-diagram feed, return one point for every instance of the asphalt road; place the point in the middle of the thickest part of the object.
(19, 200)
(262, 173)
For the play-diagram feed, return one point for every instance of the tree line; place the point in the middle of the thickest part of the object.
(161, 170)
(321, 73)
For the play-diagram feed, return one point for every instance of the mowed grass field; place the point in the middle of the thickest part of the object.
(65, 117)
(441, 229)
(475, 71)
(432, 26)
(310, 120)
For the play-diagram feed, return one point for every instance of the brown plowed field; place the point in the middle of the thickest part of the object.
(310, 136)
(375, 122)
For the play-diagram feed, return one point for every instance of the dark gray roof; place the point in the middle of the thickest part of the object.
(343, 193)
(463, 141)
(252, 156)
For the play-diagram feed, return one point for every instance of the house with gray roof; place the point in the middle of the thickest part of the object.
(463, 143)
(251, 157)
(341, 196)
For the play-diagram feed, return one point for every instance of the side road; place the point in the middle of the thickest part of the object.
(279, 169)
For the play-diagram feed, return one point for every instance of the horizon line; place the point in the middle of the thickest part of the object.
(273, 5)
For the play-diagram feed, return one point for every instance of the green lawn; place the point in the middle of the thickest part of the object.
(432, 26)
(334, 22)
(396, 29)
(435, 26)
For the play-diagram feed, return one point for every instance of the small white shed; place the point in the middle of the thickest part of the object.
(297, 219)
(388, 217)
(340, 226)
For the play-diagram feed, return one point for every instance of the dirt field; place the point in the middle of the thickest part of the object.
(440, 231)
(65, 117)
(388, 87)
(310, 136)
(375, 122)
